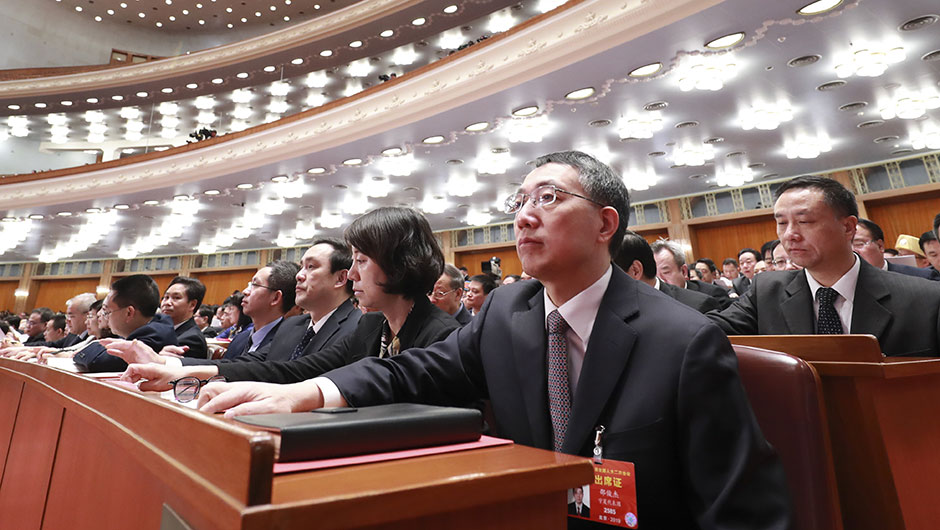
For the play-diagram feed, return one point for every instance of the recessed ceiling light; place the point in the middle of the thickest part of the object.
(386, 33)
(172, 18)
(646, 70)
(820, 6)
(92, 100)
(166, 90)
(599, 123)
(159, 24)
(142, 94)
(66, 103)
(316, 170)
(525, 111)
(340, 186)
(581, 93)
(245, 186)
(117, 98)
(36, 216)
(433, 139)
(352, 161)
(918, 23)
(355, 44)
(280, 178)
(392, 151)
(211, 192)
(218, 81)
(192, 86)
(419, 21)
(454, 162)
(40, 105)
(726, 41)
(13, 107)
(805, 60)
(242, 75)
(93, 210)
(269, 69)
(151, 202)
(450, 9)
(142, 15)
(297, 61)
(831, 85)
(478, 126)
(98, 18)
(326, 53)
(121, 206)
(64, 214)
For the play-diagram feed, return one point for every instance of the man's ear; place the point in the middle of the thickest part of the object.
(342, 276)
(277, 298)
(610, 220)
(635, 270)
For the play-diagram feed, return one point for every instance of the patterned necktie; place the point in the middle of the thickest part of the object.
(299, 350)
(559, 402)
(828, 322)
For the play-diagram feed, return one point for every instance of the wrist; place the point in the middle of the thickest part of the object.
(304, 396)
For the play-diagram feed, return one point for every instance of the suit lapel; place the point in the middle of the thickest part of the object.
(868, 315)
(529, 347)
(607, 354)
(797, 307)
(330, 327)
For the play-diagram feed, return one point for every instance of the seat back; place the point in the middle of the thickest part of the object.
(786, 398)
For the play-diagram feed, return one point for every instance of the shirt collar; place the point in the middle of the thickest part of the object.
(318, 325)
(258, 336)
(845, 286)
(581, 311)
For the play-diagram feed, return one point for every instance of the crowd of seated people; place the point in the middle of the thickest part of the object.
(378, 316)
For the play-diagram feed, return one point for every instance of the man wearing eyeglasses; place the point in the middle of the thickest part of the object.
(869, 243)
(180, 301)
(269, 295)
(447, 292)
(583, 346)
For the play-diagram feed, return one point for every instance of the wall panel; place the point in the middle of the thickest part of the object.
(221, 284)
(54, 293)
(8, 294)
(509, 260)
(724, 239)
(652, 235)
(904, 215)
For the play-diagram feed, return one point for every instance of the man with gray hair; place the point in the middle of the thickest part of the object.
(672, 269)
(448, 289)
(76, 310)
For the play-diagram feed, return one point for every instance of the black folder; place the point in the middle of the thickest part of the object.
(330, 433)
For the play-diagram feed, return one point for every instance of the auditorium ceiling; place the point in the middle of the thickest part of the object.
(783, 94)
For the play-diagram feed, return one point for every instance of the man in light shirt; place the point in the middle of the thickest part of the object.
(837, 292)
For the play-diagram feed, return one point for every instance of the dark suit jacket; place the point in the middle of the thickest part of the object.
(157, 333)
(291, 331)
(901, 311)
(741, 284)
(930, 273)
(188, 334)
(700, 302)
(240, 343)
(425, 325)
(69, 340)
(36, 340)
(720, 294)
(585, 510)
(463, 316)
(665, 388)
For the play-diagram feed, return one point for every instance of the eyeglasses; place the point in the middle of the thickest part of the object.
(541, 196)
(778, 263)
(186, 389)
(859, 244)
(442, 294)
(253, 285)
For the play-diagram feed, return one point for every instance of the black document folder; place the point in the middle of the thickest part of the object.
(330, 433)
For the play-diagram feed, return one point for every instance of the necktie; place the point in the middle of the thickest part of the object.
(304, 342)
(828, 322)
(559, 403)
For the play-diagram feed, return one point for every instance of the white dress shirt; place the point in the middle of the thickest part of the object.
(845, 302)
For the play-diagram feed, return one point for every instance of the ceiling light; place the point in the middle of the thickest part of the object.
(404, 55)
(242, 75)
(725, 42)
(640, 125)
(733, 176)
(92, 100)
(378, 187)
(172, 18)
(807, 147)
(40, 105)
(331, 220)
(692, 154)
(450, 9)
(110, 11)
(704, 72)
(166, 90)
(204, 102)
(316, 79)
(218, 81)
(525, 111)
(241, 95)
(478, 218)
(315, 99)
(387, 33)
(820, 6)
(269, 69)
(121, 206)
(360, 68)
(64, 214)
(433, 139)
(297, 61)
(765, 116)
(529, 130)
(211, 192)
(868, 61)
(278, 106)
(352, 161)
(279, 88)
(245, 186)
(581, 93)
(117, 98)
(392, 151)
(419, 21)
(640, 179)
(206, 118)
(399, 166)
(130, 113)
(927, 137)
(242, 112)
(169, 122)
(451, 39)
(355, 44)
(647, 70)
(56, 119)
(326, 53)
(478, 126)
(94, 116)
(192, 86)
(500, 21)
(909, 104)
(316, 170)
(237, 125)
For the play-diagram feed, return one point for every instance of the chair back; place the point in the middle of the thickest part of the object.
(786, 397)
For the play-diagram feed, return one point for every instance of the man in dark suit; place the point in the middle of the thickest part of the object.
(869, 243)
(577, 506)
(636, 259)
(131, 308)
(672, 269)
(447, 292)
(817, 219)
(268, 297)
(747, 260)
(36, 326)
(180, 301)
(666, 390)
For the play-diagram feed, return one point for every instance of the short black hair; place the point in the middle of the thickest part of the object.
(487, 281)
(756, 254)
(601, 183)
(207, 311)
(730, 261)
(936, 223)
(708, 263)
(58, 321)
(96, 305)
(839, 199)
(44, 313)
(235, 300)
(400, 241)
(892, 251)
(283, 278)
(14, 321)
(768, 247)
(877, 234)
(195, 289)
(340, 259)
(636, 248)
(138, 291)
(925, 238)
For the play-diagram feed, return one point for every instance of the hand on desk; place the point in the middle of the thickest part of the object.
(132, 351)
(245, 398)
(158, 377)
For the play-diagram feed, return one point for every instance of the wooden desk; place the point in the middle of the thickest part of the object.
(884, 422)
(79, 453)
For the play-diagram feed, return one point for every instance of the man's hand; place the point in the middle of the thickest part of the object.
(132, 351)
(26, 354)
(152, 377)
(173, 351)
(245, 398)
